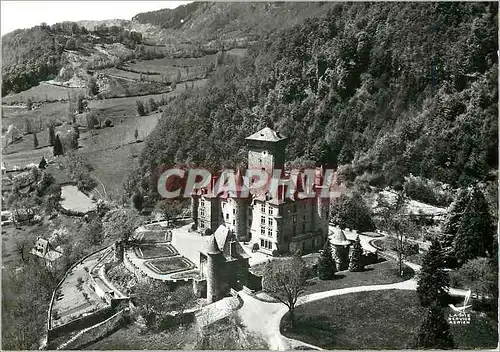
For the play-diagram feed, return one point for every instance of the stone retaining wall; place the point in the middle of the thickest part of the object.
(95, 332)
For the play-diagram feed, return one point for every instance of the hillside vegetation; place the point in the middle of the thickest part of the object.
(44, 52)
(381, 90)
(228, 21)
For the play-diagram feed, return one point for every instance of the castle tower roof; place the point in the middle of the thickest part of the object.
(212, 247)
(337, 238)
(266, 134)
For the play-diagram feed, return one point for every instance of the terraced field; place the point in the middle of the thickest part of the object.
(43, 92)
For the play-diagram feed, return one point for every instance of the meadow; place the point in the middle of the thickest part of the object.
(42, 92)
(377, 320)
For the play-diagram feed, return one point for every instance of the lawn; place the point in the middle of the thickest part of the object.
(149, 251)
(165, 266)
(385, 272)
(376, 320)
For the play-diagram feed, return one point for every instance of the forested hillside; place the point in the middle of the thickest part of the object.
(380, 89)
(206, 21)
(32, 55)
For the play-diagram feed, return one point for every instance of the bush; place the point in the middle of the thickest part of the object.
(141, 111)
(208, 232)
(255, 247)
(275, 253)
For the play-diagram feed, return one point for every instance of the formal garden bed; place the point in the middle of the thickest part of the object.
(156, 236)
(164, 266)
(377, 320)
(149, 251)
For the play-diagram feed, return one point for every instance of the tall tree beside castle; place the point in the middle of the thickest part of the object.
(57, 148)
(285, 280)
(475, 235)
(432, 280)
(351, 211)
(434, 332)
(355, 263)
(326, 264)
(452, 224)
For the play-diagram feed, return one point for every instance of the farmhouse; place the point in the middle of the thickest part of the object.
(44, 249)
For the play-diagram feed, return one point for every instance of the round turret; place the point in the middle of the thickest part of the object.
(340, 248)
(215, 259)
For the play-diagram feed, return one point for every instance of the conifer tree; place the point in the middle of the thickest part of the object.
(475, 235)
(326, 264)
(58, 148)
(434, 332)
(52, 135)
(35, 141)
(43, 163)
(451, 226)
(355, 260)
(432, 280)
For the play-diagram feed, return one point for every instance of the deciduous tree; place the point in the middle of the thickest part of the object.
(285, 280)
(351, 211)
(120, 224)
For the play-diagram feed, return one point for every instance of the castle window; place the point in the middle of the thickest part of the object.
(234, 211)
(262, 231)
(270, 211)
(234, 222)
(263, 220)
(294, 219)
(263, 208)
(262, 243)
(227, 216)
(270, 222)
(270, 233)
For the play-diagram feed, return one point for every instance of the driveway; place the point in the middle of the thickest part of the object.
(264, 318)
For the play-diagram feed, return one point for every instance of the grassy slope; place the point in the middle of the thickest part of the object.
(377, 274)
(376, 320)
(43, 92)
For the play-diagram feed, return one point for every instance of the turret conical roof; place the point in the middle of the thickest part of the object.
(212, 247)
(338, 237)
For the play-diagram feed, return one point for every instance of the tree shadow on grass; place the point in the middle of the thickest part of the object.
(318, 330)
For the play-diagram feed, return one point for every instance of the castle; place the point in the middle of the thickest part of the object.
(276, 222)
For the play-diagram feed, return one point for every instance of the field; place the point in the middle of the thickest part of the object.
(74, 200)
(112, 151)
(150, 251)
(42, 92)
(377, 320)
(169, 265)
